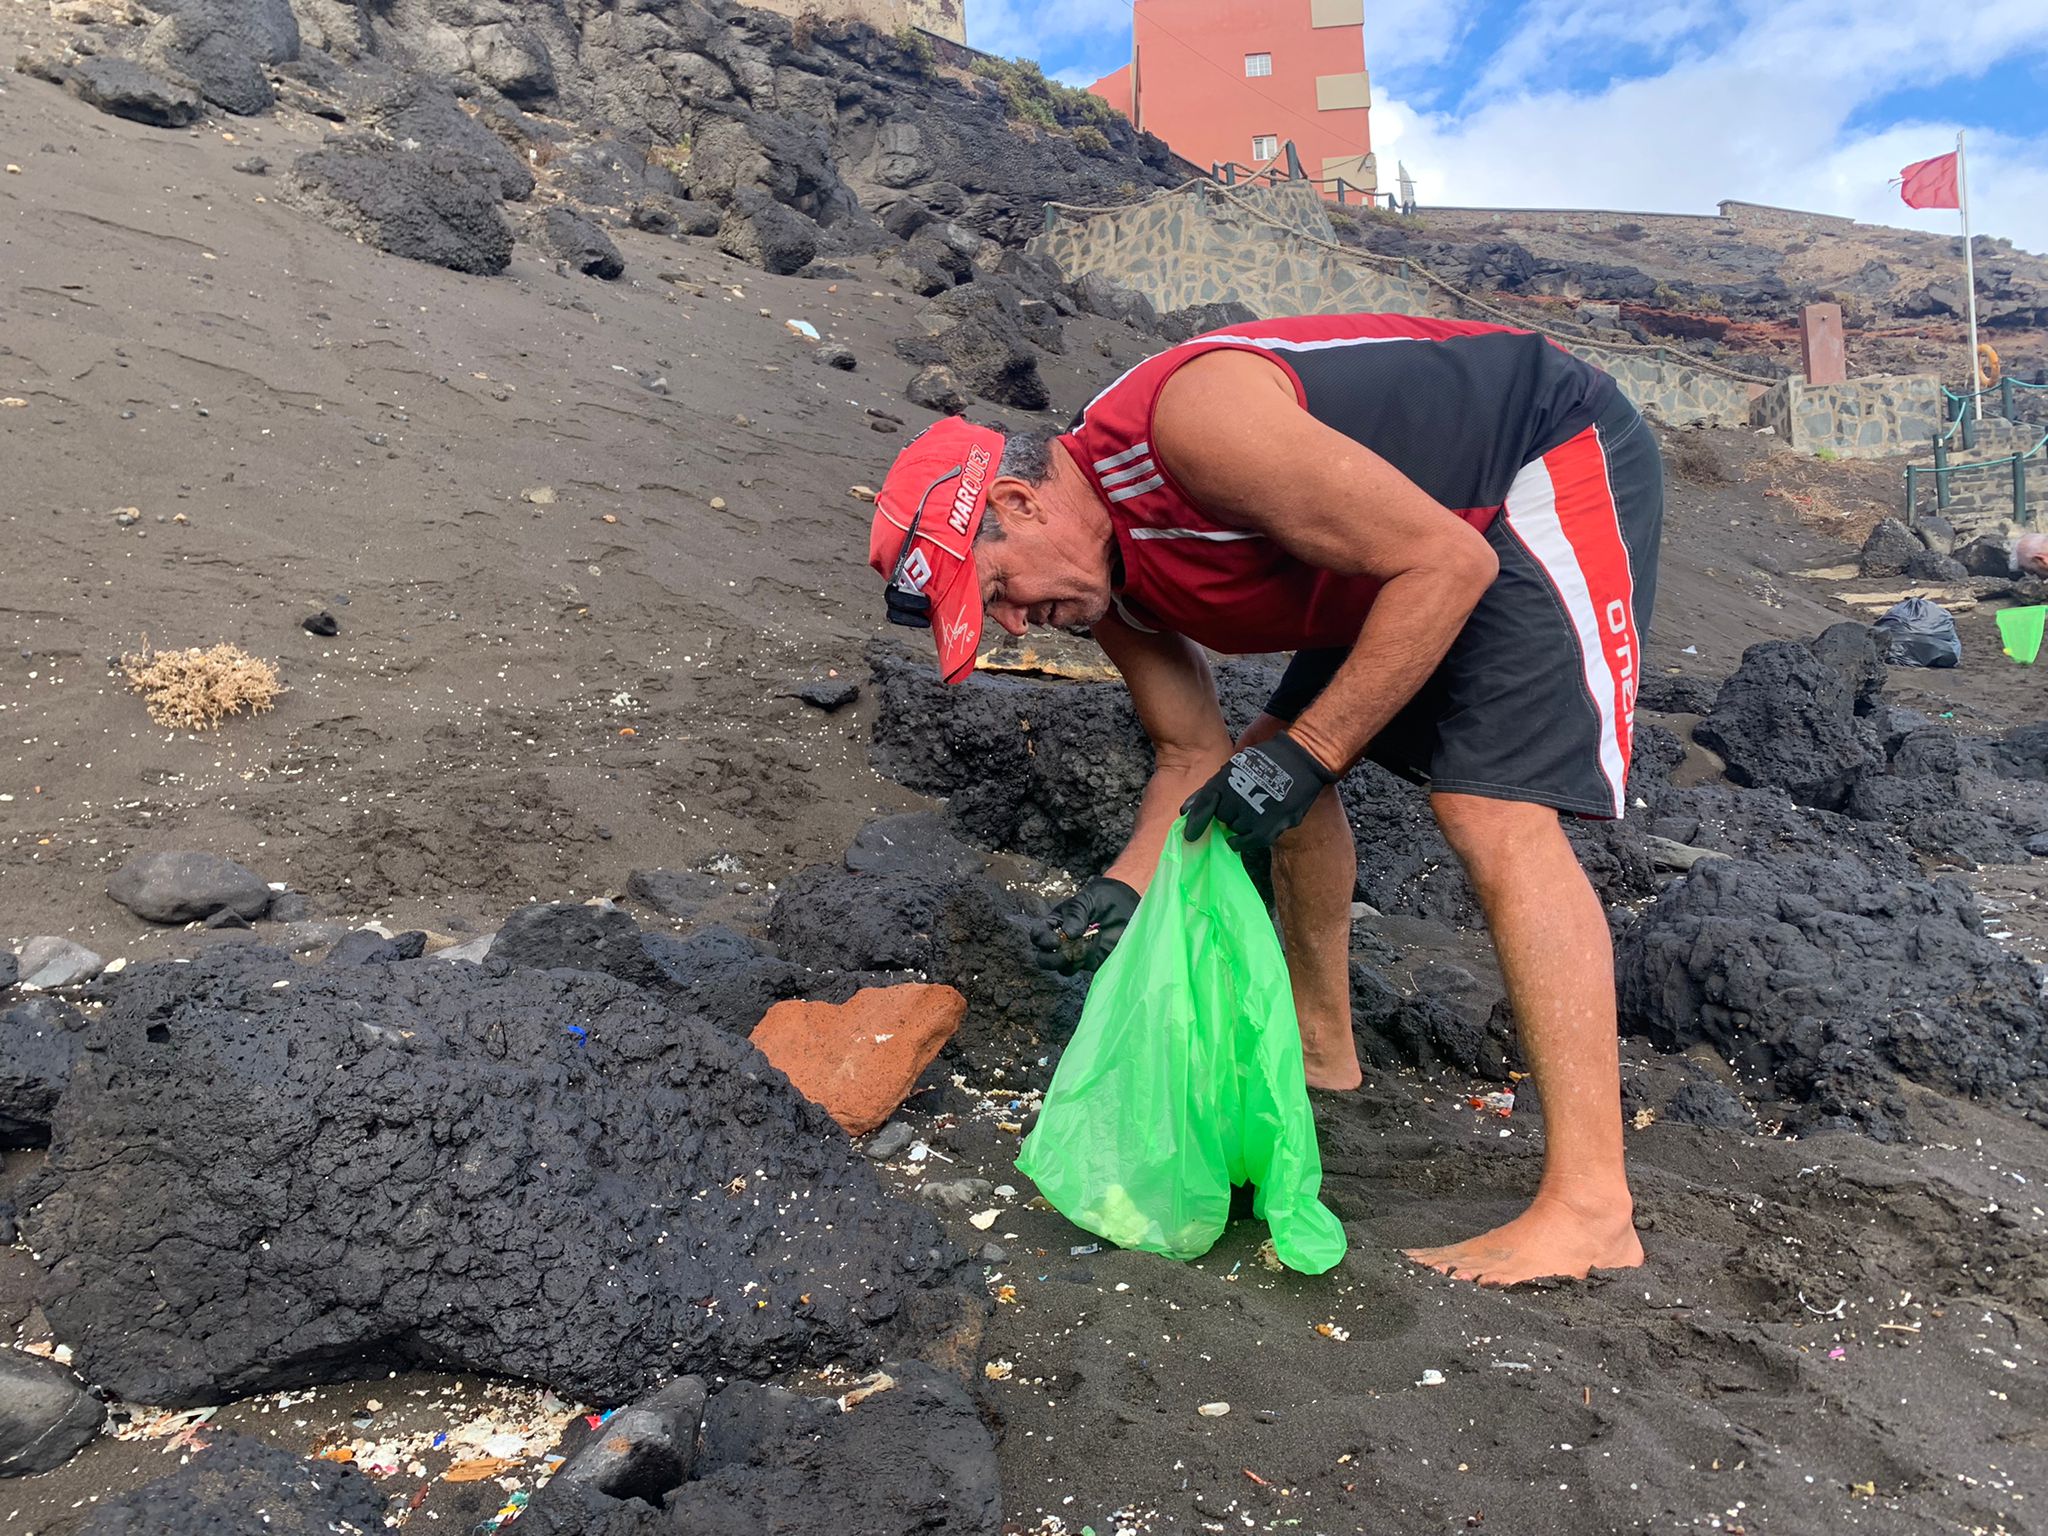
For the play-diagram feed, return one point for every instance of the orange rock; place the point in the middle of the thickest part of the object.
(858, 1060)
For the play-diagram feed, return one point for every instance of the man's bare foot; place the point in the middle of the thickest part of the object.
(1549, 1240)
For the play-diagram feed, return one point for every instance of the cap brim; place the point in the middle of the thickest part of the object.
(957, 621)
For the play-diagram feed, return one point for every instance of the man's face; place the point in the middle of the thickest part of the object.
(1048, 566)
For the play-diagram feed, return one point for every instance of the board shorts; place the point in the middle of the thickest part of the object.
(1535, 700)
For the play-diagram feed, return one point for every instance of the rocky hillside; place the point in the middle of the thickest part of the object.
(456, 131)
(1733, 285)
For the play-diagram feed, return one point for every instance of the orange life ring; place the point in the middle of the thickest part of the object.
(1987, 365)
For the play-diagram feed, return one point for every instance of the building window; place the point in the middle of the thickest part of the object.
(1257, 65)
(1265, 146)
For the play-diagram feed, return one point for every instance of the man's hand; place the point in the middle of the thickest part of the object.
(1079, 933)
(1260, 793)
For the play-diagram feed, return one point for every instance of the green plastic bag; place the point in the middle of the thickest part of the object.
(2020, 629)
(1184, 1077)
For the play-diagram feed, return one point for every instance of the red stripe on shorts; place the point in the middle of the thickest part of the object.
(1562, 509)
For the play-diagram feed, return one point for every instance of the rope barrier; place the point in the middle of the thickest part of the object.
(1969, 465)
(1407, 268)
(1960, 398)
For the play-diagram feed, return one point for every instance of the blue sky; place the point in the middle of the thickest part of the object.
(1668, 105)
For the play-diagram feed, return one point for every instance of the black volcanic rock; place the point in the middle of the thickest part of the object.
(1823, 976)
(126, 89)
(262, 1174)
(428, 204)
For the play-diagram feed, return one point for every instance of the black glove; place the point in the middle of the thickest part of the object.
(1079, 933)
(1260, 793)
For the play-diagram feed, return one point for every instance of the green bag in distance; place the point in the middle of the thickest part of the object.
(1184, 1077)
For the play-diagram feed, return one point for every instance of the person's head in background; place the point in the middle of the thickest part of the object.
(2030, 554)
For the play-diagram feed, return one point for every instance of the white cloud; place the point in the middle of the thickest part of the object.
(1417, 33)
(1762, 117)
(1564, 30)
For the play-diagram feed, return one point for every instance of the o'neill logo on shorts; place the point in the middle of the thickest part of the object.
(972, 475)
(1623, 648)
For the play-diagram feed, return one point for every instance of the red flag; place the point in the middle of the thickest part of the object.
(1930, 183)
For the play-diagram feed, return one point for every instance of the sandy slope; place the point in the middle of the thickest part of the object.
(347, 431)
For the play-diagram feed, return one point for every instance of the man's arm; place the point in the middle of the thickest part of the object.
(1229, 428)
(1176, 701)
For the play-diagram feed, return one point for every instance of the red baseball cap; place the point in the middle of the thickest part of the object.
(922, 542)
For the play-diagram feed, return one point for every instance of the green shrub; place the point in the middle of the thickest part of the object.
(1091, 140)
(919, 57)
(1026, 105)
(1079, 107)
(1028, 97)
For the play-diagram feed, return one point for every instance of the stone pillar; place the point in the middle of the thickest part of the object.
(1820, 344)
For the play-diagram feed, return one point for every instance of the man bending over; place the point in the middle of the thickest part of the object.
(1453, 527)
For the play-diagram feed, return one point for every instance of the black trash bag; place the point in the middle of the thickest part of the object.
(1919, 633)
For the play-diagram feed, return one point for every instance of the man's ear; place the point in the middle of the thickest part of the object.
(1013, 502)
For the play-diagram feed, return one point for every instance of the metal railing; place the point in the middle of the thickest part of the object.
(1943, 473)
(1231, 173)
(2011, 402)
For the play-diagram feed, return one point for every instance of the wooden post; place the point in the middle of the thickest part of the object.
(1137, 93)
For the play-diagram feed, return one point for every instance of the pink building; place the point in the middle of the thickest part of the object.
(1224, 80)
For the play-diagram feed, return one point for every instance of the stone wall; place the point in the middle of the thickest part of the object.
(1980, 501)
(1797, 220)
(1670, 389)
(1578, 221)
(1198, 247)
(1981, 493)
(947, 18)
(1868, 418)
(1771, 411)
(1993, 438)
(1733, 216)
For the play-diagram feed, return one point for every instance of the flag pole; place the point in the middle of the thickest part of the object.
(1969, 271)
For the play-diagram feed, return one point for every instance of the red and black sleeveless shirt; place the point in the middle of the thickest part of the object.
(1456, 406)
